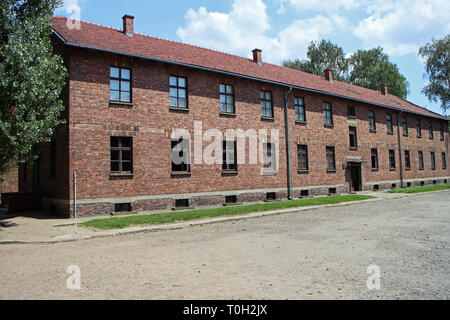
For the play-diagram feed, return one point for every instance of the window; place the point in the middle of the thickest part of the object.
(120, 85)
(181, 203)
(430, 130)
(444, 161)
(392, 159)
(269, 157)
(374, 156)
(271, 196)
(229, 159)
(226, 99)
(121, 155)
(304, 193)
(230, 199)
(331, 161)
(303, 164)
(300, 114)
(441, 130)
(419, 129)
(405, 126)
(407, 160)
(421, 166)
(52, 170)
(351, 112)
(372, 123)
(178, 92)
(353, 138)
(180, 156)
(433, 161)
(122, 207)
(266, 104)
(389, 123)
(327, 114)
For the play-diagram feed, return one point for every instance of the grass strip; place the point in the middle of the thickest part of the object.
(168, 217)
(422, 189)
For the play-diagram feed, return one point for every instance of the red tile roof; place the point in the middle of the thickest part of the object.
(109, 39)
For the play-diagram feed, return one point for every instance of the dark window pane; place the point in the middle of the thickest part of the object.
(125, 142)
(126, 166)
(114, 141)
(115, 166)
(374, 159)
(115, 155)
(126, 155)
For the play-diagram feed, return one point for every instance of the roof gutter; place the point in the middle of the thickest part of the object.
(239, 75)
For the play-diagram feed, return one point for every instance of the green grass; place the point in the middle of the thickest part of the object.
(422, 189)
(168, 217)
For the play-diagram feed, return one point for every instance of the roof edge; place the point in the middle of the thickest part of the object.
(438, 116)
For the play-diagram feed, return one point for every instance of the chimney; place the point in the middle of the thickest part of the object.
(384, 90)
(128, 25)
(257, 56)
(329, 75)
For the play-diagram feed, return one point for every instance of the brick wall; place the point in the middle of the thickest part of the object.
(9, 181)
(84, 144)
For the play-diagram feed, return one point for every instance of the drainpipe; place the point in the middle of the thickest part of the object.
(288, 150)
(400, 151)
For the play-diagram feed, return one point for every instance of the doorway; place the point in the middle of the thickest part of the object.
(355, 177)
(36, 186)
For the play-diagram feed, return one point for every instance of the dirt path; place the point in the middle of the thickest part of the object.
(320, 254)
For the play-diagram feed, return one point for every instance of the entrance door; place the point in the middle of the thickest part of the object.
(355, 177)
(37, 175)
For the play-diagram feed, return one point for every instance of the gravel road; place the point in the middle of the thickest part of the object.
(319, 254)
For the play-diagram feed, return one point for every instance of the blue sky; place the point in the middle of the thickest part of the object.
(284, 28)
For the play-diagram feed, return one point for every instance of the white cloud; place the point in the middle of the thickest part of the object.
(320, 5)
(247, 26)
(402, 26)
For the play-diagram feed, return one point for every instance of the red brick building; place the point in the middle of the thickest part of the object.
(127, 92)
(9, 182)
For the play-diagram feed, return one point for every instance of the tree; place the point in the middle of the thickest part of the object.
(437, 66)
(321, 56)
(372, 68)
(366, 68)
(31, 78)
